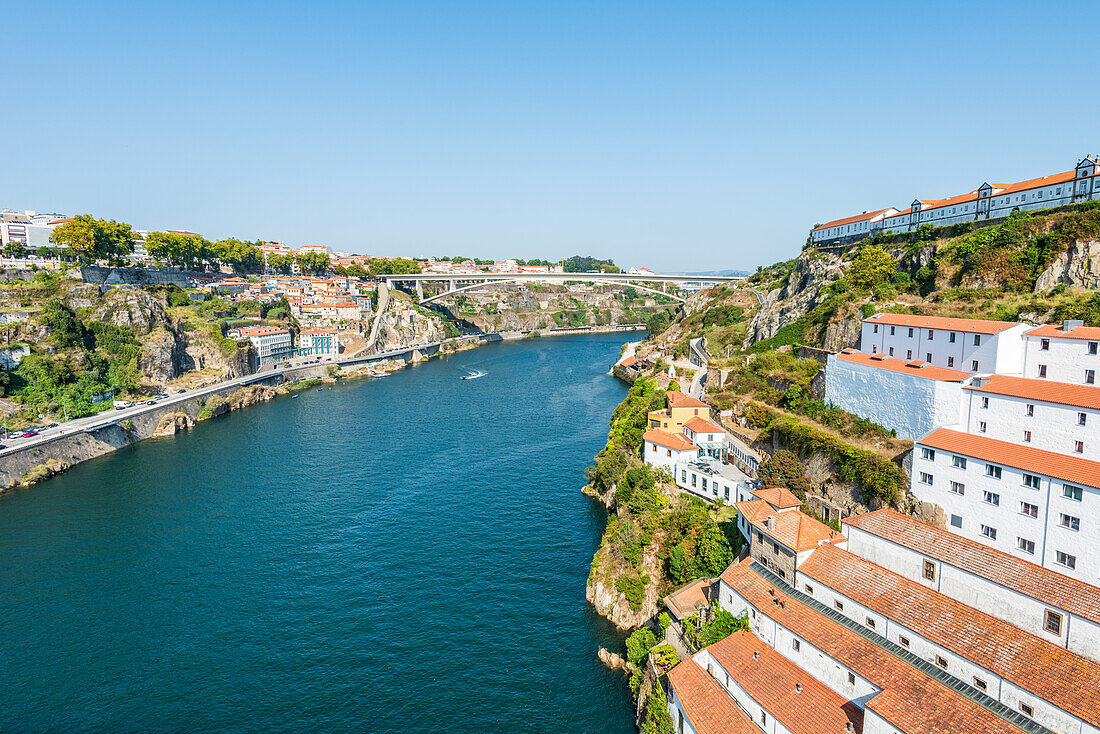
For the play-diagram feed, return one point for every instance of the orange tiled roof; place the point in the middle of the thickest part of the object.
(910, 700)
(1001, 568)
(851, 219)
(1081, 332)
(680, 400)
(699, 424)
(1063, 393)
(778, 497)
(1028, 458)
(683, 601)
(771, 680)
(260, 331)
(969, 326)
(796, 530)
(1068, 680)
(707, 706)
(916, 368)
(949, 201)
(1033, 183)
(673, 441)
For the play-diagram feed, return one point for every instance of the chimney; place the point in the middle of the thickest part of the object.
(1070, 324)
(755, 654)
(798, 687)
(769, 523)
(849, 727)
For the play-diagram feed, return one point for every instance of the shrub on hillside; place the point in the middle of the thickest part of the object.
(783, 469)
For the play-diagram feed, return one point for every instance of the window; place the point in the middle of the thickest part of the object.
(941, 661)
(1027, 436)
(910, 331)
(903, 641)
(974, 366)
(839, 605)
(891, 351)
(908, 353)
(1072, 493)
(980, 684)
(1027, 546)
(1026, 508)
(959, 462)
(796, 645)
(1093, 347)
(1079, 447)
(981, 427)
(951, 337)
(851, 679)
(929, 571)
(1030, 410)
(891, 331)
(668, 452)
(977, 340)
(931, 334)
(927, 454)
(958, 488)
(809, 590)
(1090, 377)
(875, 329)
(985, 402)
(1031, 481)
(1069, 521)
(1042, 370)
(928, 357)
(871, 622)
(956, 521)
(683, 476)
(763, 718)
(1065, 559)
(1044, 345)
(925, 478)
(1082, 419)
(1053, 622)
(950, 361)
(991, 498)
(1025, 709)
(775, 547)
(989, 532)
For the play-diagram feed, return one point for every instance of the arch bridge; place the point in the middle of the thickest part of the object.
(460, 282)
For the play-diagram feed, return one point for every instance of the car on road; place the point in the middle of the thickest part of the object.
(29, 434)
(150, 402)
(52, 425)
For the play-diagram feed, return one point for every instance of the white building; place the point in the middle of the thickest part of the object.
(271, 342)
(1052, 416)
(970, 345)
(912, 398)
(1067, 353)
(989, 201)
(1036, 505)
(664, 449)
(321, 342)
(1039, 601)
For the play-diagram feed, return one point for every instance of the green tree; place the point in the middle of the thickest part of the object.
(90, 239)
(65, 328)
(783, 469)
(587, 263)
(712, 552)
(280, 263)
(355, 270)
(243, 257)
(392, 266)
(182, 250)
(873, 265)
(312, 262)
(638, 645)
(15, 250)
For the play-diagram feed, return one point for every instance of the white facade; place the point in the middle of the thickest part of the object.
(711, 482)
(906, 402)
(658, 454)
(1079, 633)
(851, 228)
(950, 343)
(1051, 353)
(271, 343)
(1052, 522)
(1028, 421)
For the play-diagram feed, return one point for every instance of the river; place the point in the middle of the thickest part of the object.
(406, 554)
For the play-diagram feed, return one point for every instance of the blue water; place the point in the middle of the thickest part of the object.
(406, 554)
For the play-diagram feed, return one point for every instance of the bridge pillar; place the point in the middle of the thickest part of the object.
(417, 356)
(419, 290)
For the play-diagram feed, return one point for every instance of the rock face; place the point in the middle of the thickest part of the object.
(1078, 266)
(135, 309)
(614, 660)
(804, 289)
(843, 333)
(162, 356)
(172, 424)
(612, 604)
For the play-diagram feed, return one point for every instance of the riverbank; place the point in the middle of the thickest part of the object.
(76, 442)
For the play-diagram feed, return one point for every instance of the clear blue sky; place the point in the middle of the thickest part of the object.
(686, 135)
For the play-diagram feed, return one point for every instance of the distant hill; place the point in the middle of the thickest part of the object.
(721, 273)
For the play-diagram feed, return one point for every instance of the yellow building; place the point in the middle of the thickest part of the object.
(680, 410)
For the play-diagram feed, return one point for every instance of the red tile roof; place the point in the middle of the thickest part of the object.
(248, 331)
(969, 326)
(849, 220)
(771, 681)
(796, 530)
(1091, 333)
(778, 497)
(1047, 391)
(1068, 680)
(910, 700)
(683, 601)
(1028, 458)
(1033, 183)
(699, 424)
(1001, 568)
(707, 706)
(914, 368)
(680, 400)
(674, 441)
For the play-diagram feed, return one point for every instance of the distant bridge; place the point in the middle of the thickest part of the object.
(459, 282)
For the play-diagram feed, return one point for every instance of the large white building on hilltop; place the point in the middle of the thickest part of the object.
(989, 201)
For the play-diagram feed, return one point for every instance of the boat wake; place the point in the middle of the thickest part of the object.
(474, 375)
